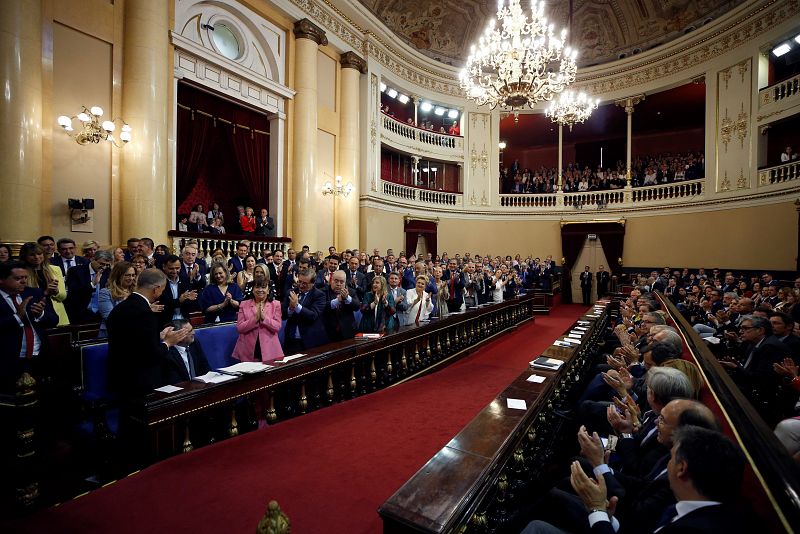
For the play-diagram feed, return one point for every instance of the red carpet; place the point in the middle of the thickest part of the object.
(329, 470)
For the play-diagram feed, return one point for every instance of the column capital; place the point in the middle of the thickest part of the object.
(629, 102)
(305, 29)
(351, 60)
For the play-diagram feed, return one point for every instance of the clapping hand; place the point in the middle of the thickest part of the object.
(621, 423)
(37, 308)
(293, 299)
(593, 493)
(787, 368)
(591, 447)
(22, 306)
(195, 270)
(155, 307)
(52, 288)
(343, 294)
(171, 337)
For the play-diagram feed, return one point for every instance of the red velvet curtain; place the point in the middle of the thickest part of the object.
(194, 137)
(573, 236)
(252, 158)
(413, 228)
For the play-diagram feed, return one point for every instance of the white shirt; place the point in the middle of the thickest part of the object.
(185, 357)
(173, 286)
(37, 343)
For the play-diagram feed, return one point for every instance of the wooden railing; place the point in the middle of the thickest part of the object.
(335, 372)
(227, 242)
(479, 480)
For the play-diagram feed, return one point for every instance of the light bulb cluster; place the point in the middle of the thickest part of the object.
(570, 108)
(91, 129)
(518, 62)
(337, 189)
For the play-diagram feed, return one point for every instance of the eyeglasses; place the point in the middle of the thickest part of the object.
(747, 327)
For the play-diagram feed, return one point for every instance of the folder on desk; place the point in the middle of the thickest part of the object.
(245, 368)
(213, 377)
(548, 364)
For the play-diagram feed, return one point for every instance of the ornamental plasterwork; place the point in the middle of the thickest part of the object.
(725, 185)
(410, 74)
(473, 158)
(673, 61)
(742, 122)
(725, 75)
(743, 66)
(473, 118)
(742, 182)
(333, 24)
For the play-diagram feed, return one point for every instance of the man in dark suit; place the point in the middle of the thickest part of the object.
(178, 297)
(303, 309)
(340, 303)
(25, 314)
(290, 276)
(138, 350)
(236, 263)
(753, 371)
(356, 280)
(455, 282)
(377, 270)
(186, 358)
(264, 224)
(782, 328)
(84, 283)
(603, 278)
(586, 286)
(274, 269)
(192, 273)
(133, 248)
(705, 473)
(66, 258)
(323, 279)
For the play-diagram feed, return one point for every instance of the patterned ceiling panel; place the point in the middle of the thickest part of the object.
(604, 30)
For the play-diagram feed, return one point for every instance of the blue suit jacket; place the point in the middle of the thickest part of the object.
(11, 334)
(79, 294)
(309, 320)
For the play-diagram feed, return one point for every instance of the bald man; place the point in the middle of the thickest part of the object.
(341, 301)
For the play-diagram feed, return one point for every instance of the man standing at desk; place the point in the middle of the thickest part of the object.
(303, 308)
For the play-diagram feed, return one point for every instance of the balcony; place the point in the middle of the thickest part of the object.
(778, 101)
(421, 142)
(618, 198)
(785, 172)
(422, 197)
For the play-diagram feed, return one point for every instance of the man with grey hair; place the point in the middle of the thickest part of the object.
(137, 351)
(84, 283)
(752, 367)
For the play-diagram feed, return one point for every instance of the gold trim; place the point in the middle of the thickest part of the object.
(594, 221)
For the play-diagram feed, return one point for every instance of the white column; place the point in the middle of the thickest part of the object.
(346, 208)
(277, 143)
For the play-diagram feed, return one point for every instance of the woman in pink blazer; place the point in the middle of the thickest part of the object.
(258, 323)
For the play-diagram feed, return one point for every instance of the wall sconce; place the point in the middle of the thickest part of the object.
(337, 189)
(79, 209)
(91, 130)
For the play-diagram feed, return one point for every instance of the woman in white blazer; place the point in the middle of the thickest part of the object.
(418, 302)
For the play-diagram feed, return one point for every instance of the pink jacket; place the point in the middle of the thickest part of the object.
(266, 332)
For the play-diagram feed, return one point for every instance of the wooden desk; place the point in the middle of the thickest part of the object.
(334, 373)
(481, 476)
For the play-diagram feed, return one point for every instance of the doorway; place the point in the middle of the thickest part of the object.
(591, 254)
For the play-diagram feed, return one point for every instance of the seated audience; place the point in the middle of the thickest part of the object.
(197, 219)
(186, 359)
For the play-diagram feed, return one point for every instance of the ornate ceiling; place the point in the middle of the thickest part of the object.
(603, 30)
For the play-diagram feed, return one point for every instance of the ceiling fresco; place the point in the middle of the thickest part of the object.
(603, 30)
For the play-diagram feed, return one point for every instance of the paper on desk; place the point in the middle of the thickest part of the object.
(168, 389)
(711, 339)
(571, 340)
(246, 367)
(578, 333)
(558, 343)
(287, 359)
(574, 336)
(212, 377)
(536, 379)
(584, 322)
(517, 404)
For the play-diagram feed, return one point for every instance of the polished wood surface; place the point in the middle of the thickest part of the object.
(461, 485)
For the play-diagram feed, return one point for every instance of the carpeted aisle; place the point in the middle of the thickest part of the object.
(329, 470)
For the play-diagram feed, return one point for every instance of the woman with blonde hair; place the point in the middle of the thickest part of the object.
(260, 274)
(691, 371)
(117, 254)
(46, 277)
(377, 309)
(121, 282)
(442, 294)
(419, 302)
(220, 299)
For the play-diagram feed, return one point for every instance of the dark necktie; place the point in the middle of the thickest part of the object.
(192, 371)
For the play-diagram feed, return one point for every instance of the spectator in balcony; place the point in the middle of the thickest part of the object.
(454, 129)
(788, 155)
(216, 226)
(215, 212)
(265, 225)
(248, 221)
(197, 219)
(183, 222)
(649, 177)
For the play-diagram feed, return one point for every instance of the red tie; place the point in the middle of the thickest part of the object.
(452, 285)
(419, 310)
(26, 325)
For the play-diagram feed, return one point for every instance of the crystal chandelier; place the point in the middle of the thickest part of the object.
(337, 189)
(570, 108)
(520, 62)
(91, 130)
